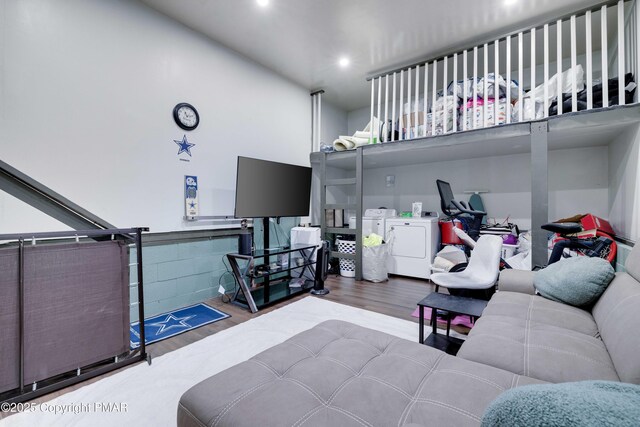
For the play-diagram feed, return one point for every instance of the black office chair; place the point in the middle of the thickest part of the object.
(453, 208)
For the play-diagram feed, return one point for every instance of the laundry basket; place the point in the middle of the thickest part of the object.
(347, 266)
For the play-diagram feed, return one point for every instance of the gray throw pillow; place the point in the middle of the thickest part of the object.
(577, 281)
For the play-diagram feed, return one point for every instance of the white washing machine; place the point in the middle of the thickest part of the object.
(373, 221)
(413, 244)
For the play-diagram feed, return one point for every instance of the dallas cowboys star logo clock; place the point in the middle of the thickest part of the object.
(184, 145)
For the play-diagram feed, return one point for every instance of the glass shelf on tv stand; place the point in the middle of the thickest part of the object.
(258, 289)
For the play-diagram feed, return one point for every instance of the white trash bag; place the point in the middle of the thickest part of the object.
(374, 263)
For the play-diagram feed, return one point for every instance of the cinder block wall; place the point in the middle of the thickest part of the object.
(181, 274)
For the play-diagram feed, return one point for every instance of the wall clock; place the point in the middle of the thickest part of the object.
(186, 116)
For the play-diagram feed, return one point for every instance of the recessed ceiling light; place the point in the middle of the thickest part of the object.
(263, 3)
(343, 62)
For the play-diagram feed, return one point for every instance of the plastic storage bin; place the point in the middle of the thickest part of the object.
(347, 266)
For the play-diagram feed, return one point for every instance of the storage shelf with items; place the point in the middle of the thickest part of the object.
(557, 88)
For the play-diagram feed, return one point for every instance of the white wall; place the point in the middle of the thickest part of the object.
(87, 92)
(334, 123)
(624, 193)
(358, 119)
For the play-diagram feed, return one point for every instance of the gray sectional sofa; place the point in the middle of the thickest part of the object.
(340, 374)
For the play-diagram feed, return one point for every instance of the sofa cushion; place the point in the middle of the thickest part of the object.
(526, 342)
(541, 310)
(340, 374)
(577, 281)
(617, 314)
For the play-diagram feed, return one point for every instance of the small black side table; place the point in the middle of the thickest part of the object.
(454, 305)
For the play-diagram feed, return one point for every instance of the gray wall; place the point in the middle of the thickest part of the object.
(578, 183)
(358, 119)
(624, 189)
(334, 123)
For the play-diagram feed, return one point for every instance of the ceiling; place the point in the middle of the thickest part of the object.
(304, 39)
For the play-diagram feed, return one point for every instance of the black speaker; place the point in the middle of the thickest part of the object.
(245, 244)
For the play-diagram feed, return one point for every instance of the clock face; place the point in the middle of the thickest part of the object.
(186, 116)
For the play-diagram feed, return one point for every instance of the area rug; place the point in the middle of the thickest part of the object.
(151, 393)
(166, 325)
(459, 320)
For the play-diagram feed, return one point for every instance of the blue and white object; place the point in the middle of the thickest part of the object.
(170, 324)
(191, 206)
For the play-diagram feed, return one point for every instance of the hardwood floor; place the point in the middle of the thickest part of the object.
(396, 297)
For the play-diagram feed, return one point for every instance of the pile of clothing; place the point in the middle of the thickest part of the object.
(440, 116)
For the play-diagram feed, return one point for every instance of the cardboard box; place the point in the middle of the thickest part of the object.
(411, 120)
(334, 218)
(590, 222)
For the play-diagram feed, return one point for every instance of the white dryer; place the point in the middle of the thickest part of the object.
(413, 244)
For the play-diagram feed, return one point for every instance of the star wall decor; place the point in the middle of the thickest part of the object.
(185, 146)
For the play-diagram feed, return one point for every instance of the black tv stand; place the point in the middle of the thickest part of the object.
(260, 287)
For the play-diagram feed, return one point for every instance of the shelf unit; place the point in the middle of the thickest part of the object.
(571, 130)
(325, 183)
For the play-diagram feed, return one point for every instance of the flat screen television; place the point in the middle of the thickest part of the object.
(271, 189)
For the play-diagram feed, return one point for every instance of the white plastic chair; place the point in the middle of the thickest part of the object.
(482, 271)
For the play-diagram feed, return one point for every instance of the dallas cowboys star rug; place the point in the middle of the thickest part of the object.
(166, 325)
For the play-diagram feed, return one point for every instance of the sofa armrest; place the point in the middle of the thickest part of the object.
(517, 281)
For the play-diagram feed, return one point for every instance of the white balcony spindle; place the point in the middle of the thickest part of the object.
(433, 99)
(379, 112)
(546, 70)
(385, 125)
(445, 115)
(508, 61)
(485, 87)
(559, 66)
(533, 71)
(416, 102)
(621, 53)
(401, 123)
(496, 86)
(319, 120)
(425, 97)
(520, 76)
(393, 108)
(407, 114)
(604, 51)
(455, 92)
(465, 90)
(475, 87)
(589, 59)
(373, 85)
(574, 64)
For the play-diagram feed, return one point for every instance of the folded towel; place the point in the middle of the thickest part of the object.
(349, 142)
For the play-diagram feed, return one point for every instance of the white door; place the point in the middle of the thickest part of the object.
(409, 241)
